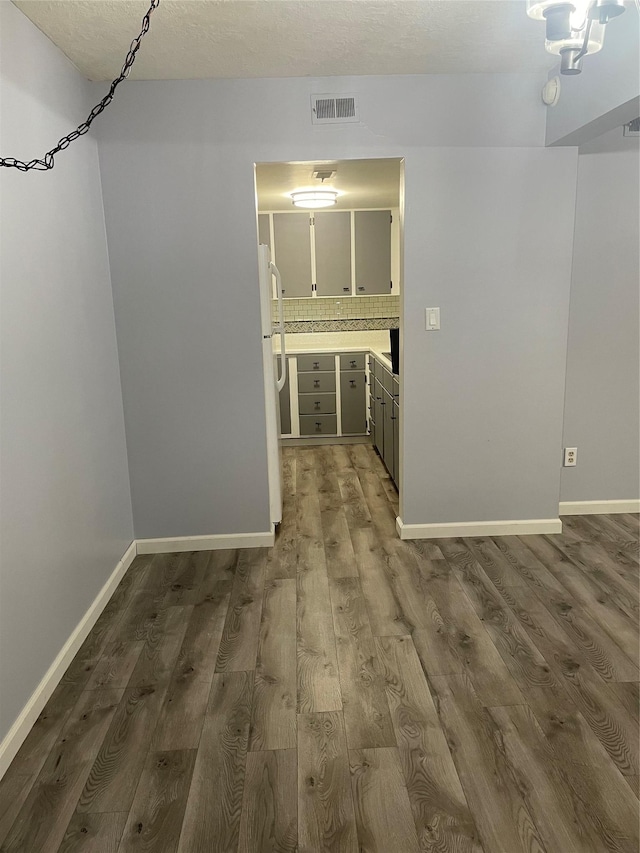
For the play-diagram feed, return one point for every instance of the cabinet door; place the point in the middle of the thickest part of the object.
(333, 253)
(396, 443)
(292, 238)
(378, 415)
(387, 442)
(285, 404)
(373, 251)
(353, 401)
(264, 231)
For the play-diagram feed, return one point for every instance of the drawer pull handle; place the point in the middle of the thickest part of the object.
(361, 287)
(316, 383)
(346, 289)
(352, 382)
(317, 404)
(318, 426)
(316, 365)
(353, 363)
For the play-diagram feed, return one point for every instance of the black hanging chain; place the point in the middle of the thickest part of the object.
(47, 160)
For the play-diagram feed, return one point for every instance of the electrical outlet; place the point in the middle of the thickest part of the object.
(570, 457)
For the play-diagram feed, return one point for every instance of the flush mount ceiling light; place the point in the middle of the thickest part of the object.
(314, 198)
(575, 28)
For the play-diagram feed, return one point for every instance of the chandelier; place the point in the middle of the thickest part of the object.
(574, 29)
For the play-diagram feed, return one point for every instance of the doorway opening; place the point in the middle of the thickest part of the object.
(330, 238)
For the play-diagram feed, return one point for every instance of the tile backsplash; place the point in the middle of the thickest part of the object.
(339, 308)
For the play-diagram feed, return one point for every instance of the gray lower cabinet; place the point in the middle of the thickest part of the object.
(317, 404)
(384, 411)
(387, 443)
(312, 383)
(353, 391)
(318, 424)
(318, 393)
(285, 403)
(312, 363)
(352, 361)
(378, 415)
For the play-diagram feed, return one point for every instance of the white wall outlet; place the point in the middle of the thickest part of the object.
(432, 319)
(570, 457)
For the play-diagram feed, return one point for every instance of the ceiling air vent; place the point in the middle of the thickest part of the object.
(633, 128)
(333, 109)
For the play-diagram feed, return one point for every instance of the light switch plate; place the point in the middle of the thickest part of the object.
(432, 319)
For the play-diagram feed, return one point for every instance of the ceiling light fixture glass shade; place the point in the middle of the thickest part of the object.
(313, 199)
(575, 28)
(538, 9)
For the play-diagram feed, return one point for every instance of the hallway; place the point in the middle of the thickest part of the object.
(346, 691)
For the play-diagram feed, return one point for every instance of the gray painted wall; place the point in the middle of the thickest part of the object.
(177, 165)
(607, 92)
(602, 396)
(66, 511)
(491, 234)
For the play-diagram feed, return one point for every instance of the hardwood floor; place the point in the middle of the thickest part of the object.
(348, 692)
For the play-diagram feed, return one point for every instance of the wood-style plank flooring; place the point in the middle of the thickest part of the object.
(348, 692)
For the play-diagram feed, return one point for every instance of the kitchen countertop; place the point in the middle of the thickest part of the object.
(375, 342)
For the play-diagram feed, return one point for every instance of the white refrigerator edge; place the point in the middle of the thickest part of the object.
(273, 383)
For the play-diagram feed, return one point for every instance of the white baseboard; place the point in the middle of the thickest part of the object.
(206, 543)
(16, 735)
(598, 507)
(478, 528)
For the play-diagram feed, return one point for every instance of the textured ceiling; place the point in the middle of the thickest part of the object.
(294, 38)
(361, 183)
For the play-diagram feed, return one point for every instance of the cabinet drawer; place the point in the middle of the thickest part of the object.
(316, 362)
(317, 404)
(352, 361)
(318, 425)
(310, 382)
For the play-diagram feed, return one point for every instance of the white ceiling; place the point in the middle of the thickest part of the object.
(294, 38)
(360, 183)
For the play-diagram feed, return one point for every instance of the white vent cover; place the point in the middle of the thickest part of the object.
(334, 109)
(323, 173)
(633, 128)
